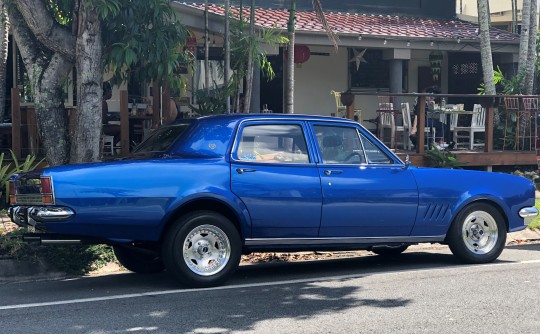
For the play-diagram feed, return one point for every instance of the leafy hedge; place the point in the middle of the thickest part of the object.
(72, 259)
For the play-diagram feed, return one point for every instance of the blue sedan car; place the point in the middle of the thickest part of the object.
(195, 196)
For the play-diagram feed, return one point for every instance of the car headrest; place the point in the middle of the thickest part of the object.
(332, 141)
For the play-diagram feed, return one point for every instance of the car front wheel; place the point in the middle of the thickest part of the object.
(202, 249)
(478, 234)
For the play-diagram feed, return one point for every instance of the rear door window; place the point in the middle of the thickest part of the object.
(272, 143)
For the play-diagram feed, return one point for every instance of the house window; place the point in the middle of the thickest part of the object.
(368, 70)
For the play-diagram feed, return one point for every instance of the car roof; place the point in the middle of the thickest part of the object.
(303, 117)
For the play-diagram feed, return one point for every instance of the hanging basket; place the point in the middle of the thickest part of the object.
(435, 61)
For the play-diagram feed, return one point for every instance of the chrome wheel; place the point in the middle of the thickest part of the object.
(480, 232)
(206, 250)
(477, 234)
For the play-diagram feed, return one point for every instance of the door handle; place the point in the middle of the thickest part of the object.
(245, 170)
(332, 171)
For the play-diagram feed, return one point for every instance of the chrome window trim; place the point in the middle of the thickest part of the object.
(263, 121)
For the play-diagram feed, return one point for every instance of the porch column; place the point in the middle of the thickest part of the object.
(396, 76)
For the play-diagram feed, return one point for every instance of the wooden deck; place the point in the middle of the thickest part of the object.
(478, 158)
(21, 136)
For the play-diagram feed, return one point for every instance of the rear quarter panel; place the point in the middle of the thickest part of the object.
(132, 200)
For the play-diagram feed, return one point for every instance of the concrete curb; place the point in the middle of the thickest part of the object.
(525, 235)
(20, 271)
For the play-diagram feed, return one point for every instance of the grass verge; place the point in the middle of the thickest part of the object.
(536, 222)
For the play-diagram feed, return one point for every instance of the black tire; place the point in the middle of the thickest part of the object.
(478, 234)
(138, 261)
(389, 250)
(202, 249)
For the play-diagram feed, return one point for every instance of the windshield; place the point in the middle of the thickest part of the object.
(161, 138)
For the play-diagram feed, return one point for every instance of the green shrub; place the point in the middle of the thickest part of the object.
(442, 158)
(72, 259)
(78, 259)
(7, 169)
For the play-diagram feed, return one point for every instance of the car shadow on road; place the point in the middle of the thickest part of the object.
(255, 294)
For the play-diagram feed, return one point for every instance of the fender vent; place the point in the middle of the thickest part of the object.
(435, 213)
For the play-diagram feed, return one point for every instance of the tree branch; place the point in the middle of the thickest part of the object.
(51, 34)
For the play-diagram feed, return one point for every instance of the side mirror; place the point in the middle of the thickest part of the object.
(407, 162)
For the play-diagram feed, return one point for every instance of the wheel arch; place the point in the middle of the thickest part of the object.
(236, 216)
(497, 206)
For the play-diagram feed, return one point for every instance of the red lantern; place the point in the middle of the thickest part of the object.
(191, 42)
(301, 54)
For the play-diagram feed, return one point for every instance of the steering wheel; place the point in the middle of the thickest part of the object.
(355, 154)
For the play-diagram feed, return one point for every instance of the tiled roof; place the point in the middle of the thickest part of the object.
(369, 25)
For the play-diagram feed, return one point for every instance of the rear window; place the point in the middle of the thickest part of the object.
(161, 138)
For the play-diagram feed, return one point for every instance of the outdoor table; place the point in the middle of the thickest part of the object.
(447, 113)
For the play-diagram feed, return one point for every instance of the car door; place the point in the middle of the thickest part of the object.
(367, 191)
(273, 174)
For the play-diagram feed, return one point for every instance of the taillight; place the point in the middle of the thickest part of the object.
(46, 185)
(46, 190)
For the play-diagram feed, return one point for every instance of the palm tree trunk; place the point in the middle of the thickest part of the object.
(206, 48)
(514, 15)
(249, 70)
(524, 38)
(530, 67)
(289, 83)
(4, 39)
(485, 47)
(227, 47)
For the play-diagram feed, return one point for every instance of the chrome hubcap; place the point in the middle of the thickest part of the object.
(480, 232)
(206, 250)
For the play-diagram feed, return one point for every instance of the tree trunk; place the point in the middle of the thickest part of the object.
(206, 49)
(530, 67)
(4, 34)
(249, 69)
(47, 71)
(524, 39)
(514, 16)
(86, 142)
(227, 50)
(485, 47)
(289, 83)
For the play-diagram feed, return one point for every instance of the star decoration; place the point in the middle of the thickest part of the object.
(358, 58)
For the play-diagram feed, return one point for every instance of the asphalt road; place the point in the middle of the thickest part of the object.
(423, 291)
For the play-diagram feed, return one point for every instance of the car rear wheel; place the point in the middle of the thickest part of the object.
(478, 234)
(389, 250)
(202, 249)
(138, 261)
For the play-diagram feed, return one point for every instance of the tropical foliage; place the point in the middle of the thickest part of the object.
(14, 166)
(442, 158)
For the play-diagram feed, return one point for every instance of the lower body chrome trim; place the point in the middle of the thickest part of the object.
(340, 241)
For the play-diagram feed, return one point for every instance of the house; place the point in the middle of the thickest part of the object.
(386, 47)
(505, 15)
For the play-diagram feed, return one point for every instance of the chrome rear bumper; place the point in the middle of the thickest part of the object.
(24, 216)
